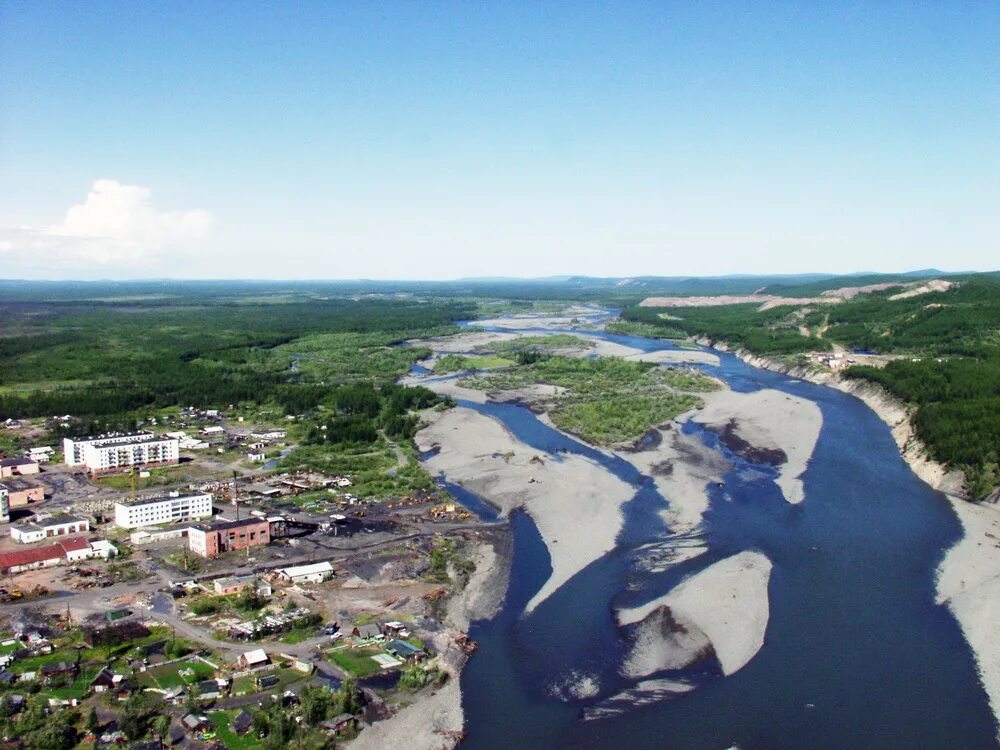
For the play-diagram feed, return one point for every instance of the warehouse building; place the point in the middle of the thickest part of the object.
(133, 514)
(315, 573)
(46, 526)
(67, 550)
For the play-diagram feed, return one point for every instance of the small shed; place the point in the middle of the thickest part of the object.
(242, 722)
(369, 630)
(195, 723)
(405, 651)
(267, 681)
(256, 658)
(103, 680)
(339, 724)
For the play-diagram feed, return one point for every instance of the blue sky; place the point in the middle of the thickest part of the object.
(441, 140)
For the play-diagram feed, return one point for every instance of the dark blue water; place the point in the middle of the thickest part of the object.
(857, 654)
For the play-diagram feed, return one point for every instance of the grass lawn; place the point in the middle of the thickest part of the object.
(78, 689)
(227, 736)
(287, 677)
(244, 685)
(144, 680)
(156, 478)
(299, 635)
(357, 661)
(169, 675)
(34, 663)
(458, 362)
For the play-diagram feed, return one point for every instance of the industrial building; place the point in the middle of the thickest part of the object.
(21, 492)
(106, 454)
(67, 550)
(133, 514)
(20, 466)
(211, 540)
(237, 584)
(47, 526)
(315, 573)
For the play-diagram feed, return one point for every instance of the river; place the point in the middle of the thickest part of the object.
(856, 654)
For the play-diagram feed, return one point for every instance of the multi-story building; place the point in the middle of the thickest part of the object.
(105, 454)
(4, 504)
(211, 540)
(45, 527)
(133, 514)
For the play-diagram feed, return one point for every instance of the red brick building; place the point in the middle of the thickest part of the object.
(212, 539)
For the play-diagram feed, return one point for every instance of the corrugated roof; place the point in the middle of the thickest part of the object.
(74, 545)
(20, 461)
(306, 570)
(28, 556)
(257, 656)
(227, 525)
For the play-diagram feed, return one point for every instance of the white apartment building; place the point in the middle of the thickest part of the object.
(46, 527)
(133, 514)
(109, 453)
(4, 505)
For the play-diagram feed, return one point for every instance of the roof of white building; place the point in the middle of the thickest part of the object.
(307, 570)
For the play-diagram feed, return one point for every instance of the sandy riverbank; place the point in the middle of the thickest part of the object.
(463, 343)
(484, 593)
(434, 722)
(478, 453)
(767, 421)
(968, 579)
(726, 603)
(571, 316)
(969, 584)
(446, 387)
(887, 407)
(677, 356)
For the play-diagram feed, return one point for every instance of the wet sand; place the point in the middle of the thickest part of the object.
(769, 420)
(575, 503)
(969, 583)
(726, 601)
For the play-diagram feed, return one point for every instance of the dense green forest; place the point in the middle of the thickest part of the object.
(951, 375)
(957, 411)
(333, 362)
(111, 360)
(773, 331)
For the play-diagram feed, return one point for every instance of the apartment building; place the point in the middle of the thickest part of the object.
(106, 454)
(133, 514)
(211, 540)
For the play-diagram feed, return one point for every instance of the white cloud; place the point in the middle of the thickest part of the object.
(116, 223)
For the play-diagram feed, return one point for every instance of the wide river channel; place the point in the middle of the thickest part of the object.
(856, 654)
